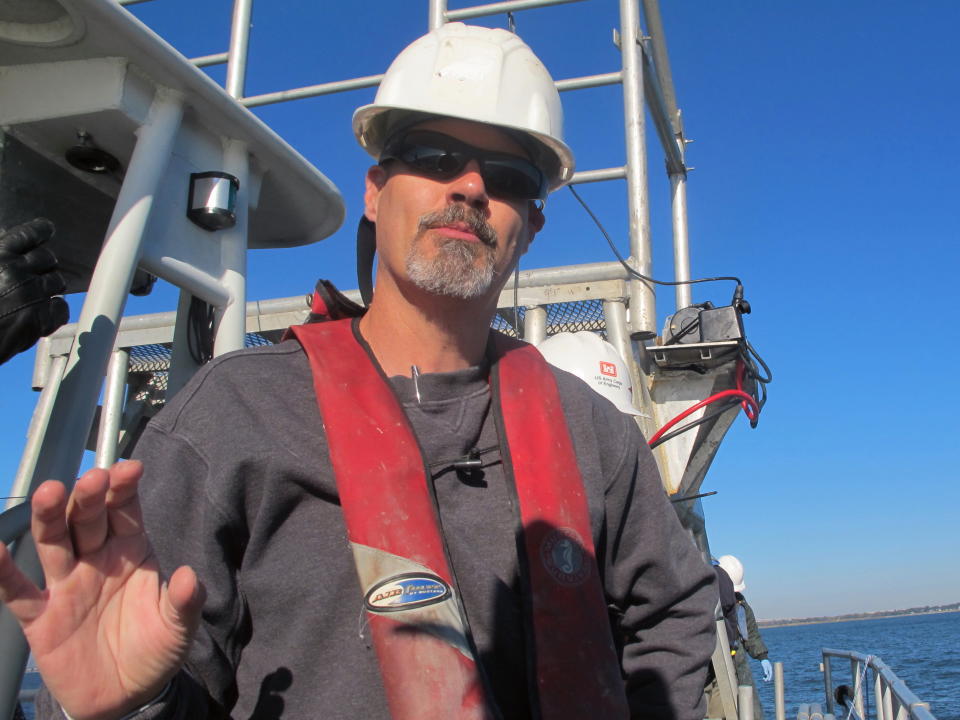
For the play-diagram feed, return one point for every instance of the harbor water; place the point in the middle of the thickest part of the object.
(923, 650)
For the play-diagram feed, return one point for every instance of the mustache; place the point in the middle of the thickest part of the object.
(459, 213)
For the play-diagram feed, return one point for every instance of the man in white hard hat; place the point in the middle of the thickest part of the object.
(743, 633)
(402, 514)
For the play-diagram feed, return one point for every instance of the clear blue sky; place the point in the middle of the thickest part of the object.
(826, 177)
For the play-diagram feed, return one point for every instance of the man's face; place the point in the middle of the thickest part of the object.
(450, 237)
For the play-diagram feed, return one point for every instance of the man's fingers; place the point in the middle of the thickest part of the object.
(17, 592)
(123, 503)
(87, 512)
(49, 528)
(182, 601)
(28, 235)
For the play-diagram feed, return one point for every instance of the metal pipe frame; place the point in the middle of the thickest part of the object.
(207, 60)
(669, 140)
(681, 240)
(658, 49)
(112, 413)
(589, 176)
(74, 407)
(828, 684)
(589, 81)
(37, 431)
(231, 317)
(643, 311)
(779, 706)
(239, 46)
(898, 700)
(745, 702)
(535, 325)
(311, 91)
(501, 7)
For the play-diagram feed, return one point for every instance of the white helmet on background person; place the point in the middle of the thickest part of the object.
(472, 73)
(733, 568)
(595, 361)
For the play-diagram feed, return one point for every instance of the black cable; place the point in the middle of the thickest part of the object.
(694, 423)
(629, 269)
(200, 321)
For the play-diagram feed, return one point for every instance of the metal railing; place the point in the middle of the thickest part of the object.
(892, 699)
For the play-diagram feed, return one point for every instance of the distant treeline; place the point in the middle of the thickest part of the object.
(922, 610)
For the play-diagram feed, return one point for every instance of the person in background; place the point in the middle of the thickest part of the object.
(29, 286)
(741, 624)
(400, 514)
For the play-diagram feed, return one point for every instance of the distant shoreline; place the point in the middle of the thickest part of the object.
(850, 618)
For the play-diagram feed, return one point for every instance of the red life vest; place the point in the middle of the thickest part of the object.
(426, 656)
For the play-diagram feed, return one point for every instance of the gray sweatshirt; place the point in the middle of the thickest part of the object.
(238, 485)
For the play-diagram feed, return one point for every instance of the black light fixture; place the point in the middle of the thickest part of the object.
(213, 200)
(88, 157)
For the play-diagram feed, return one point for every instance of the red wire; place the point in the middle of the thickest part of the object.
(747, 400)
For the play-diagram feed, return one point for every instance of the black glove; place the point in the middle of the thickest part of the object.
(29, 282)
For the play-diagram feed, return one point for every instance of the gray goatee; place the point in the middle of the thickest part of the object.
(459, 268)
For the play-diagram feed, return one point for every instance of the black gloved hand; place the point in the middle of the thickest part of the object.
(29, 282)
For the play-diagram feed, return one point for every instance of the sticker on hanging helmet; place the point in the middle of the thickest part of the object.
(406, 592)
(563, 556)
(608, 368)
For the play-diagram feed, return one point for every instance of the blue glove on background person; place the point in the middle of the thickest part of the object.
(29, 284)
(767, 670)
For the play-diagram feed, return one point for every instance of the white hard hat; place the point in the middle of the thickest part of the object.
(595, 361)
(733, 568)
(472, 73)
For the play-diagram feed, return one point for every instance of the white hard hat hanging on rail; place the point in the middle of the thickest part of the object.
(472, 73)
(595, 361)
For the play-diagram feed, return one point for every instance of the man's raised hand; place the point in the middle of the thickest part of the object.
(107, 633)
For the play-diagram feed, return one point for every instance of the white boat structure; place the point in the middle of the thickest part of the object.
(128, 132)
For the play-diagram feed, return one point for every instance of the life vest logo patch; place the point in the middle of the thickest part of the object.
(563, 556)
(406, 592)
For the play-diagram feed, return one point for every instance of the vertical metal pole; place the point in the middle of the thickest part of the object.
(231, 320)
(36, 431)
(681, 239)
(74, 407)
(643, 310)
(615, 319)
(112, 412)
(887, 701)
(535, 325)
(778, 700)
(437, 14)
(745, 702)
(878, 696)
(828, 684)
(239, 44)
(857, 686)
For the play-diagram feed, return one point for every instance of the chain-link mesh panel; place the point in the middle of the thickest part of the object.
(561, 317)
(151, 362)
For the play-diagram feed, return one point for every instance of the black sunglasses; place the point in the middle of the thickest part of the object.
(435, 155)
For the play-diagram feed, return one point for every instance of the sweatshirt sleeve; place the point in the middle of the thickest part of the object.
(660, 590)
(754, 644)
